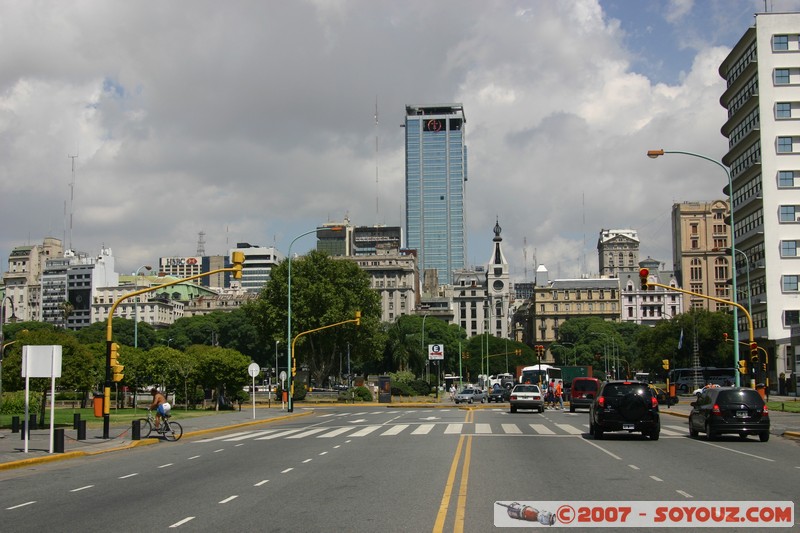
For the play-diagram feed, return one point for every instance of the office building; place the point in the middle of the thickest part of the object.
(617, 249)
(436, 176)
(762, 99)
(22, 288)
(700, 253)
(258, 263)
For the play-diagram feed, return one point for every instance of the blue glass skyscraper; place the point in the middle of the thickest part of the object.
(436, 175)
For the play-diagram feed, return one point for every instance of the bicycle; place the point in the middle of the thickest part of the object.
(170, 429)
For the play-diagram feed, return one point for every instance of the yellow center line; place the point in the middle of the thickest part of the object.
(438, 527)
(444, 506)
(462, 492)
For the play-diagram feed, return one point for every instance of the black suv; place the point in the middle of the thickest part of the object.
(737, 410)
(624, 406)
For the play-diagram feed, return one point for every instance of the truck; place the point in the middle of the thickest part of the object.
(570, 372)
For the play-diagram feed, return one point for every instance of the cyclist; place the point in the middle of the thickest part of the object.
(160, 404)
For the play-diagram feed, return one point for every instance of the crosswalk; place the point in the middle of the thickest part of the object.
(417, 429)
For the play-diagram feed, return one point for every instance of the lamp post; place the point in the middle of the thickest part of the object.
(289, 354)
(652, 154)
(747, 263)
(564, 345)
(605, 347)
(422, 346)
(136, 306)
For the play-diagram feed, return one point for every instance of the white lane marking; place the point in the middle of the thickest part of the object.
(684, 494)
(281, 434)
(683, 430)
(656, 478)
(483, 428)
(129, 475)
(323, 453)
(394, 430)
(252, 434)
(307, 461)
(634, 467)
(364, 432)
(261, 483)
(20, 505)
(307, 433)
(511, 429)
(337, 446)
(541, 429)
(193, 457)
(220, 450)
(362, 413)
(229, 498)
(181, 522)
(165, 466)
(453, 429)
(287, 470)
(328, 414)
(424, 429)
(82, 488)
(617, 457)
(673, 432)
(569, 428)
(224, 437)
(737, 451)
(430, 418)
(357, 421)
(240, 444)
(334, 433)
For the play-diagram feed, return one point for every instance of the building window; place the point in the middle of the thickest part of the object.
(784, 145)
(789, 282)
(721, 268)
(630, 312)
(696, 270)
(780, 43)
(694, 230)
(791, 318)
(786, 178)
(781, 76)
(720, 243)
(783, 110)
(788, 248)
(787, 213)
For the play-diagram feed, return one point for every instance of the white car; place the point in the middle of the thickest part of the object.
(525, 396)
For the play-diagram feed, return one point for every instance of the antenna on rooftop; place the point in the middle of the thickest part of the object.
(71, 199)
(201, 244)
(377, 189)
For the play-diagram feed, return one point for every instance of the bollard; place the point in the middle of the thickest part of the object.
(33, 422)
(23, 425)
(76, 420)
(136, 428)
(82, 430)
(14, 424)
(58, 440)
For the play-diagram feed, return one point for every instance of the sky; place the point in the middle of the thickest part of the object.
(255, 121)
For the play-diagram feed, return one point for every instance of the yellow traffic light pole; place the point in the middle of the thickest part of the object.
(643, 273)
(356, 320)
(237, 258)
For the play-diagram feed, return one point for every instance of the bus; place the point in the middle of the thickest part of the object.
(689, 379)
(540, 374)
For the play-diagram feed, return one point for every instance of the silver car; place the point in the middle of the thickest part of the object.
(470, 395)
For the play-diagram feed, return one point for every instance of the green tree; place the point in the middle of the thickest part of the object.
(220, 369)
(325, 291)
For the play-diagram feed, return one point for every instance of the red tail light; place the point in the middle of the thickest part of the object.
(513, 397)
(765, 411)
(601, 401)
(653, 401)
(715, 410)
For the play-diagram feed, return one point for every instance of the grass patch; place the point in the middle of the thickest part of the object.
(64, 417)
(791, 406)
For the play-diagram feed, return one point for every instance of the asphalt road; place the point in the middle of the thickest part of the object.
(376, 469)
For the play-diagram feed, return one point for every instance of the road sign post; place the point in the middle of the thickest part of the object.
(253, 370)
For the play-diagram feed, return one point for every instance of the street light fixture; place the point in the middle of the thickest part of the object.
(652, 154)
(747, 263)
(136, 306)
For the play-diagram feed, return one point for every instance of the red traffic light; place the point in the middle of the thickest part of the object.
(643, 273)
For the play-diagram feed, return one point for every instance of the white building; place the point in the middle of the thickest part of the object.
(763, 102)
(258, 263)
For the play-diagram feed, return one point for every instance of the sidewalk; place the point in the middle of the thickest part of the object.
(12, 446)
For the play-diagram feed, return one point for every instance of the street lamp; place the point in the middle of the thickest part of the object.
(605, 347)
(136, 306)
(422, 347)
(574, 355)
(747, 263)
(289, 354)
(652, 154)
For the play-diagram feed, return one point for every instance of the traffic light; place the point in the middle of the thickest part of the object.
(754, 352)
(643, 273)
(237, 258)
(725, 337)
(665, 364)
(358, 318)
(116, 368)
(517, 352)
(742, 366)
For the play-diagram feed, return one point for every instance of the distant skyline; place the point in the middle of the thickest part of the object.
(256, 122)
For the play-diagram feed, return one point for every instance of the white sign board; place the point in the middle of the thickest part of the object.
(283, 376)
(41, 361)
(435, 352)
(253, 369)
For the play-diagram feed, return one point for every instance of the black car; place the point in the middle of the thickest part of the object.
(624, 406)
(500, 394)
(731, 410)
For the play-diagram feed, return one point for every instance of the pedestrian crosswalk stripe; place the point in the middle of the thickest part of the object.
(541, 429)
(276, 435)
(672, 432)
(307, 433)
(423, 429)
(682, 429)
(453, 429)
(511, 429)
(572, 430)
(225, 436)
(365, 431)
(483, 428)
(249, 435)
(394, 430)
(334, 433)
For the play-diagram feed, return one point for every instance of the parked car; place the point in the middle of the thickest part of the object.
(470, 395)
(625, 406)
(731, 410)
(525, 396)
(582, 392)
(499, 394)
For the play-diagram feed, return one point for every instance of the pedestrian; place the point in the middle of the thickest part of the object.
(452, 392)
(559, 396)
(551, 393)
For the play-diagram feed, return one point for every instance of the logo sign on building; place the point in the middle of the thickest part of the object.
(435, 352)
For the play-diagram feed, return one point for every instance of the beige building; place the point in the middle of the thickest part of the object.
(701, 257)
(617, 249)
(395, 277)
(22, 285)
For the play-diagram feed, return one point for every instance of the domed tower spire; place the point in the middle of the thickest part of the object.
(498, 286)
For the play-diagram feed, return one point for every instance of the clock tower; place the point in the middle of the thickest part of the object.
(498, 290)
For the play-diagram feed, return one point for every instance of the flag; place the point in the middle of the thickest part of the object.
(680, 341)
